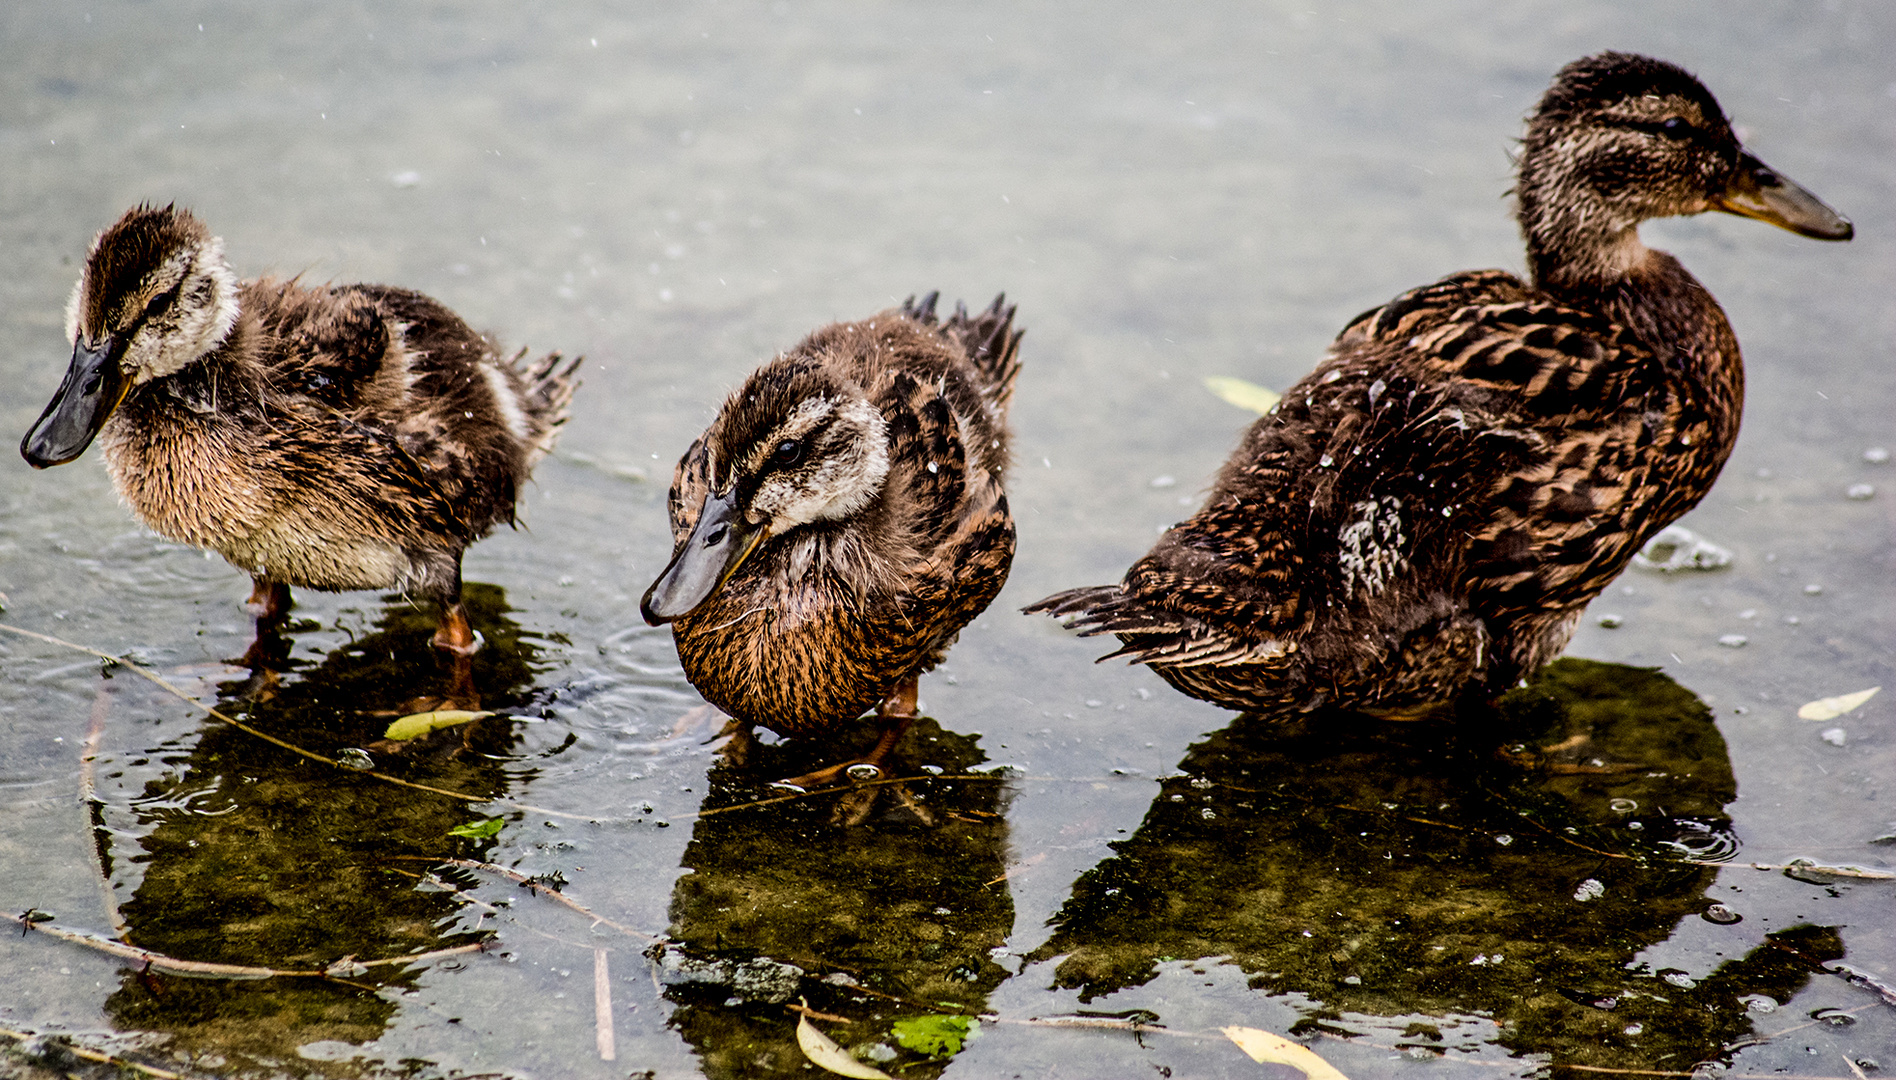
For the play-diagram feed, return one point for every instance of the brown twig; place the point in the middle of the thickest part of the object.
(837, 790)
(95, 811)
(88, 1054)
(203, 969)
(541, 890)
(602, 1004)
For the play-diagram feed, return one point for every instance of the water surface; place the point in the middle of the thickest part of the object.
(680, 191)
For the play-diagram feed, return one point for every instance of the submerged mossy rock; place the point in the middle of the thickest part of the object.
(790, 898)
(1512, 866)
(302, 864)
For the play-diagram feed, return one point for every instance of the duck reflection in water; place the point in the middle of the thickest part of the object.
(250, 854)
(1409, 869)
(889, 922)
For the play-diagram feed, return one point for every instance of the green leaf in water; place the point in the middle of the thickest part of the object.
(478, 830)
(936, 1036)
(1245, 395)
(422, 723)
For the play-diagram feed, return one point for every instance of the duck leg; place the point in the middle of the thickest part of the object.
(270, 602)
(896, 712)
(455, 634)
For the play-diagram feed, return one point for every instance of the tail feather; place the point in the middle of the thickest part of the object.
(547, 394)
(923, 312)
(992, 344)
(1151, 635)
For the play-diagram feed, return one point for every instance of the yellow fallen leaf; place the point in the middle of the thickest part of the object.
(823, 1051)
(1268, 1049)
(1245, 395)
(1832, 707)
(422, 723)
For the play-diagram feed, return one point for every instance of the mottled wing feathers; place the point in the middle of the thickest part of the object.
(1463, 439)
(422, 414)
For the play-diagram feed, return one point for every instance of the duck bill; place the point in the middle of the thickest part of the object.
(93, 388)
(1759, 191)
(717, 546)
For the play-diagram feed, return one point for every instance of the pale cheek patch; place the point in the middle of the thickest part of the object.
(849, 474)
(72, 311)
(198, 322)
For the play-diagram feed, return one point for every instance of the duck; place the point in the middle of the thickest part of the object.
(329, 437)
(1420, 521)
(840, 520)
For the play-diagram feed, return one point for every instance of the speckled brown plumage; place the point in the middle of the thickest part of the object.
(869, 460)
(1427, 512)
(334, 437)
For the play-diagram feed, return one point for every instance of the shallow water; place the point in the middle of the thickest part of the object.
(678, 192)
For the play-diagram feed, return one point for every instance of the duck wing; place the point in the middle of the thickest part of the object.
(413, 408)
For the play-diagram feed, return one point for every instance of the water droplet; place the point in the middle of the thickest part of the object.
(1876, 455)
(1590, 889)
(1833, 1017)
(1759, 1003)
(1612, 622)
(1734, 641)
(1164, 481)
(1720, 914)
(1861, 492)
(1813, 589)
(1623, 806)
(1835, 736)
(1679, 979)
(1504, 839)
(1326, 461)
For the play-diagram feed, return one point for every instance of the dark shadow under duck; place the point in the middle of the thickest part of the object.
(842, 519)
(1426, 514)
(335, 437)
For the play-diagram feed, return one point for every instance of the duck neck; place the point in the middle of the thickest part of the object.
(1577, 240)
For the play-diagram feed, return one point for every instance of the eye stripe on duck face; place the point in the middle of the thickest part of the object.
(159, 291)
(1673, 118)
(841, 461)
(802, 428)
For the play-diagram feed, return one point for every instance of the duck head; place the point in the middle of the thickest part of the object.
(155, 295)
(1619, 139)
(797, 445)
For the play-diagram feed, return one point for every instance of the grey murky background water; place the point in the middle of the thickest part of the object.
(679, 191)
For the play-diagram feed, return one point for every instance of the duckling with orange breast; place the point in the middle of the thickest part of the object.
(841, 520)
(1425, 515)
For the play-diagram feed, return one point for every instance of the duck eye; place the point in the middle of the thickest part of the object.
(1675, 127)
(789, 452)
(159, 302)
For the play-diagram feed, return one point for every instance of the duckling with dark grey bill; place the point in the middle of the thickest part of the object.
(1424, 516)
(841, 520)
(331, 437)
